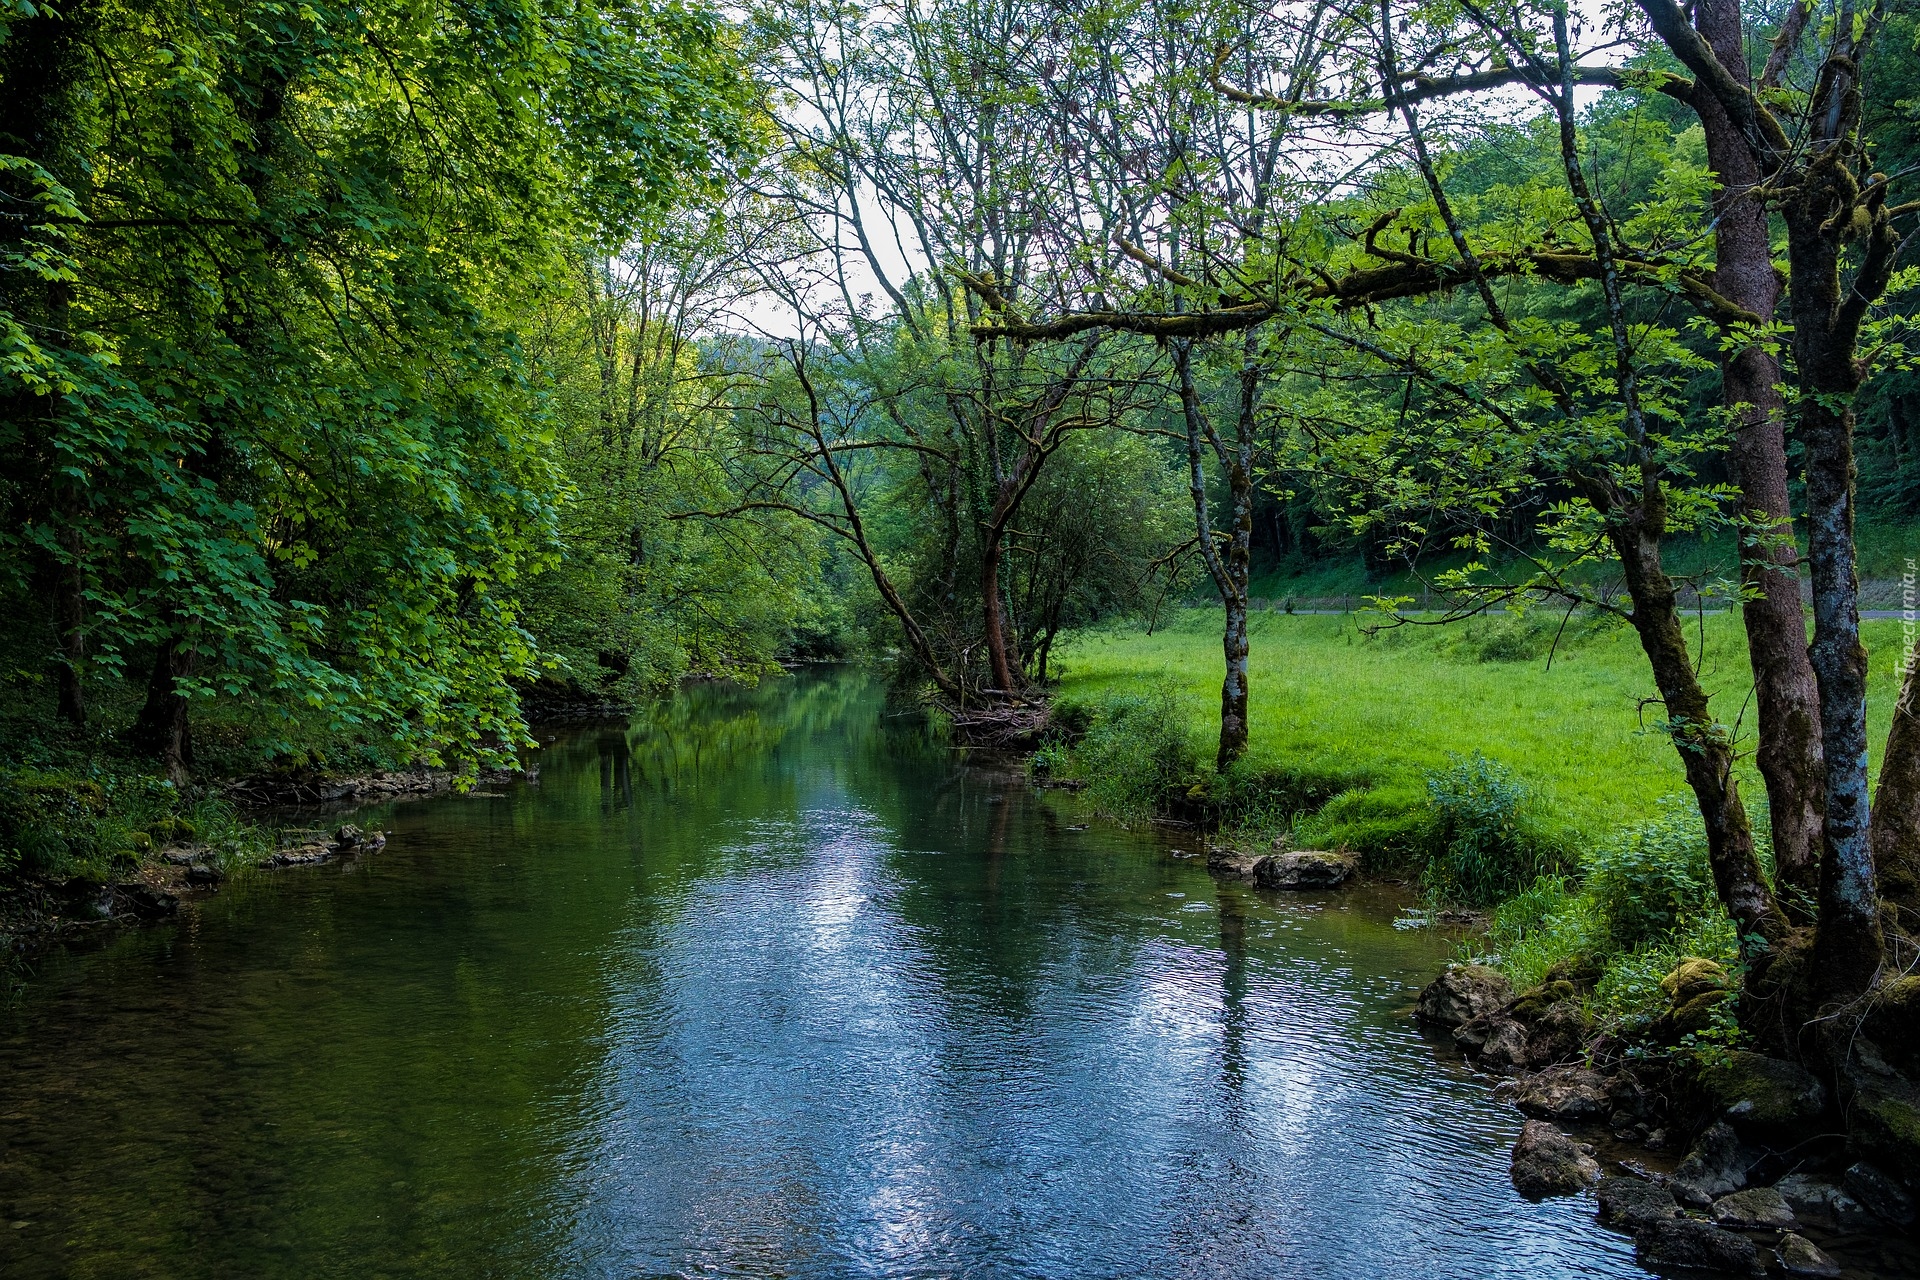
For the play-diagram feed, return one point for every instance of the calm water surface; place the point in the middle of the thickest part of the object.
(762, 984)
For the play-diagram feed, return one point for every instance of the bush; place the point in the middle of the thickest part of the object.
(1487, 842)
(1629, 995)
(1135, 753)
(1653, 877)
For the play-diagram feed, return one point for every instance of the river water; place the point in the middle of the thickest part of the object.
(765, 983)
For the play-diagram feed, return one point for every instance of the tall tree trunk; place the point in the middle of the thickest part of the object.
(1229, 571)
(43, 66)
(1233, 687)
(163, 727)
(1847, 944)
(993, 615)
(1705, 748)
(1785, 695)
(1235, 721)
(1895, 833)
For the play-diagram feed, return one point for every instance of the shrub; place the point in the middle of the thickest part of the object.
(1068, 720)
(1486, 838)
(1653, 877)
(1136, 751)
(1629, 995)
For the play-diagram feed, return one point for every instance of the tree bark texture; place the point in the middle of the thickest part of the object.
(163, 728)
(1785, 696)
(1705, 749)
(1847, 948)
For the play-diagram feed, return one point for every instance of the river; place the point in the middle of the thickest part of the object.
(765, 983)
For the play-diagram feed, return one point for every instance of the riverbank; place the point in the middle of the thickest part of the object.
(1350, 725)
(1603, 982)
(128, 850)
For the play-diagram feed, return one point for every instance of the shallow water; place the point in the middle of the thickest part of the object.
(763, 984)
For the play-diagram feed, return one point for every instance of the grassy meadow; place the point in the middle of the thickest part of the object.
(1365, 718)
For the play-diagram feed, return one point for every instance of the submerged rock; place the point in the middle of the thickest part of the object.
(1756, 1092)
(1756, 1209)
(1546, 1162)
(1689, 1242)
(1630, 1204)
(1462, 993)
(1712, 1168)
(300, 855)
(1305, 869)
(1799, 1257)
(1570, 1095)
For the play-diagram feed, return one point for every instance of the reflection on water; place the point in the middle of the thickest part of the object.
(764, 983)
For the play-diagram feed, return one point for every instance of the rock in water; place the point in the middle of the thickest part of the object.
(1799, 1258)
(1462, 993)
(1882, 1196)
(1305, 869)
(1505, 1048)
(1570, 1095)
(1223, 860)
(1689, 1242)
(1766, 1094)
(1546, 1162)
(1714, 1167)
(1630, 1204)
(1821, 1204)
(145, 901)
(1758, 1209)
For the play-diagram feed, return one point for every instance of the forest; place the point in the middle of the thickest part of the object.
(1231, 408)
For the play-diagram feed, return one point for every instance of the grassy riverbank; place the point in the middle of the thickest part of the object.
(1370, 717)
(1457, 756)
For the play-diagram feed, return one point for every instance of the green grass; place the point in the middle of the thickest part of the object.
(1376, 714)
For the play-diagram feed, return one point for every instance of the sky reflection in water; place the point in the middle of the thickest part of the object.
(763, 984)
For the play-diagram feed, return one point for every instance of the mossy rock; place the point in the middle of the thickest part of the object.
(1583, 971)
(1694, 977)
(1762, 1093)
(1696, 1015)
(1694, 990)
(172, 830)
(1883, 1121)
(1535, 1001)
